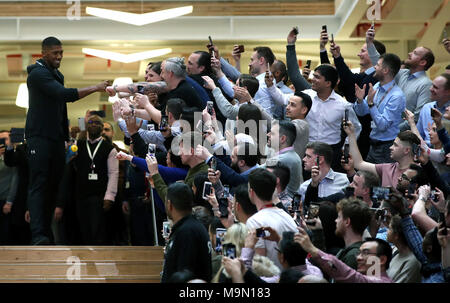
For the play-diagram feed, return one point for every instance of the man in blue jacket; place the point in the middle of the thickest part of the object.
(46, 131)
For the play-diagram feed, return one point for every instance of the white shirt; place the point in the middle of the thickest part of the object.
(262, 96)
(279, 220)
(332, 183)
(325, 118)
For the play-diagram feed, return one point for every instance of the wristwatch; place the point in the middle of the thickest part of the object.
(370, 105)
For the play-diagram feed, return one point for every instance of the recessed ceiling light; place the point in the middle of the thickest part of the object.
(139, 19)
(126, 58)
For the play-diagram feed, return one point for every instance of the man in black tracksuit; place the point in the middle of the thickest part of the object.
(46, 131)
(189, 246)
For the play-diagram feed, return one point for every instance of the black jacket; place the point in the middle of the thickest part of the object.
(47, 112)
(188, 248)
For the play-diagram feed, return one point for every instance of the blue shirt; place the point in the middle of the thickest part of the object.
(389, 103)
(425, 119)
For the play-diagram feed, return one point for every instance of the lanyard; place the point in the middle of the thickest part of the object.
(95, 151)
(387, 92)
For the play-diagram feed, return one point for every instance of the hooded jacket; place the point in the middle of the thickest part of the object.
(47, 112)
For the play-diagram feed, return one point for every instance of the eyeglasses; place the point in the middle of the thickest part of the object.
(95, 122)
(405, 177)
(107, 129)
(365, 253)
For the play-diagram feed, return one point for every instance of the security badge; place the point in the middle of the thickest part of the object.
(93, 177)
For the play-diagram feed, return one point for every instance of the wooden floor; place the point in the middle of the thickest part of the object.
(75, 264)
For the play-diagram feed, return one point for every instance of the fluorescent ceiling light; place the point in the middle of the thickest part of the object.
(119, 82)
(126, 58)
(139, 19)
(22, 96)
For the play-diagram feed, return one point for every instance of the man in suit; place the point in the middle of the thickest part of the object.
(46, 131)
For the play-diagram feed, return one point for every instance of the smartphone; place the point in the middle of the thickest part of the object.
(313, 211)
(210, 107)
(349, 191)
(164, 122)
(260, 233)
(229, 250)
(2, 142)
(100, 113)
(296, 201)
(151, 149)
(318, 161)
(346, 152)
(403, 116)
(150, 127)
(166, 229)
(206, 190)
(82, 124)
(373, 24)
(295, 29)
(346, 116)
(434, 196)
(411, 189)
(241, 49)
(432, 112)
(220, 234)
(308, 64)
(213, 164)
(226, 190)
(210, 41)
(324, 28)
(332, 38)
(380, 193)
(223, 207)
(268, 68)
(240, 82)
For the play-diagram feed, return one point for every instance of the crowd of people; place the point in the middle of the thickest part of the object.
(268, 177)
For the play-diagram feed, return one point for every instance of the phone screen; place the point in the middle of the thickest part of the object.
(164, 123)
(226, 191)
(260, 233)
(82, 124)
(151, 149)
(380, 193)
(223, 207)
(220, 234)
(229, 250)
(206, 190)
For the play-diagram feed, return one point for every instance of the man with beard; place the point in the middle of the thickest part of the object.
(244, 159)
(353, 218)
(413, 175)
(96, 175)
(385, 102)
(414, 82)
(188, 246)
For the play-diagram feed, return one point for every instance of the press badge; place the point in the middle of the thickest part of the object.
(93, 177)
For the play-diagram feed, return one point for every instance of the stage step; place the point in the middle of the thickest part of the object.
(98, 264)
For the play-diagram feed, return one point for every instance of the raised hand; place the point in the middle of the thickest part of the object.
(236, 54)
(360, 93)
(209, 83)
(292, 37)
(370, 95)
(370, 35)
(335, 50)
(268, 79)
(323, 39)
